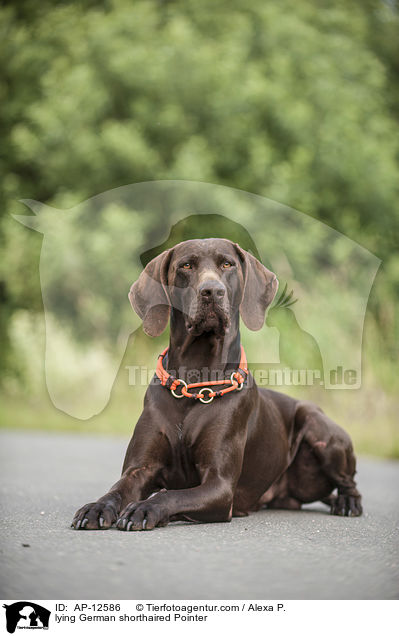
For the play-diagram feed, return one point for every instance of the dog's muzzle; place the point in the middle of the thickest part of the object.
(211, 311)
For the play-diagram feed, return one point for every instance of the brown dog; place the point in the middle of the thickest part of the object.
(205, 459)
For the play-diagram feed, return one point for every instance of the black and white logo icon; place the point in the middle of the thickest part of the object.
(26, 615)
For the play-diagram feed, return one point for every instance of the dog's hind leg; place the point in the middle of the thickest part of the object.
(278, 496)
(325, 461)
(285, 503)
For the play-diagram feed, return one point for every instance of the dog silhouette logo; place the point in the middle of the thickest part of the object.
(26, 615)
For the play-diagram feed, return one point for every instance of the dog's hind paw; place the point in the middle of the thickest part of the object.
(346, 505)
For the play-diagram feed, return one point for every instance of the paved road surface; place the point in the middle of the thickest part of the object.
(269, 555)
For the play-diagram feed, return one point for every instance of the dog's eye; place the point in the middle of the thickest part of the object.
(226, 265)
(186, 265)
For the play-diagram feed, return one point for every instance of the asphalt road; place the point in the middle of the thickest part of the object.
(268, 555)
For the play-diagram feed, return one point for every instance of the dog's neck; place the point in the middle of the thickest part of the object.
(204, 353)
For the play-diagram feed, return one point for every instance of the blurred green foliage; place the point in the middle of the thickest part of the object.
(295, 100)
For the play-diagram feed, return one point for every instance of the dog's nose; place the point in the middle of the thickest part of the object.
(212, 289)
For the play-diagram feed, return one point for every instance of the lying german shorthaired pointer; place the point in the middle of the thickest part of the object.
(219, 447)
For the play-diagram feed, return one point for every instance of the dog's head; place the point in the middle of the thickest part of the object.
(207, 280)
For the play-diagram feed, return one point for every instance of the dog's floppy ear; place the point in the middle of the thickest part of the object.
(149, 296)
(260, 287)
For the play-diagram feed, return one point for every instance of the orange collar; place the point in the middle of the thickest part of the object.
(237, 379)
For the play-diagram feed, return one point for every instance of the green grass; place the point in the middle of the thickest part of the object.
(369, 416)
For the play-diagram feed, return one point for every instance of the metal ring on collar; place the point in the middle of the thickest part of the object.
(201, 393)
(233, 379)
(181, 394)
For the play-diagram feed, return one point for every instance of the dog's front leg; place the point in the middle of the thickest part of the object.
(145, 457)
(218, 462)
(101, 514)
(211, 501)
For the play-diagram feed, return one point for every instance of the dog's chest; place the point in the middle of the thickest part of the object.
(181, 472)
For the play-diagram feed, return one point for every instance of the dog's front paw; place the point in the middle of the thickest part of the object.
(95, 516)
(144, 515)
(346, 505)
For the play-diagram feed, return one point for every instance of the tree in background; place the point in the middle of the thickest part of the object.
(295, 100)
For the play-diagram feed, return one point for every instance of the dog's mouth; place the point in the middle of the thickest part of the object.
(210, 317)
